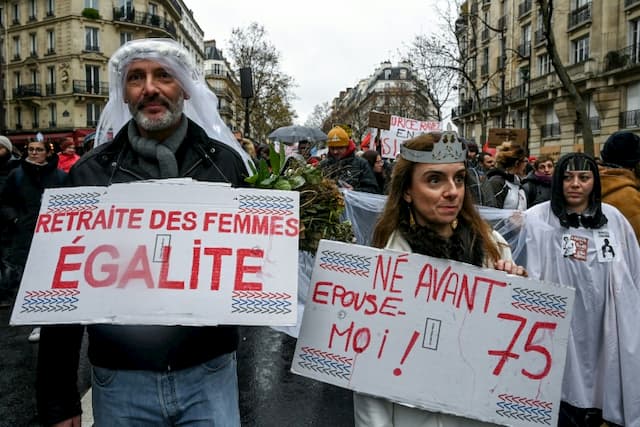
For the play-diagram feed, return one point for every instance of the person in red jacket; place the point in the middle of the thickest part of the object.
(67, 156)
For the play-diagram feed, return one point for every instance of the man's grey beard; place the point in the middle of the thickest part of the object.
(171, 116)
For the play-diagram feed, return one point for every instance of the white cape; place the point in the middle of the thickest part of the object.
(603, 355)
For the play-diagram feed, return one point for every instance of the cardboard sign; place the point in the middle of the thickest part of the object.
(435, 334)
(174, 252)
(401, 129)
(379, 120)
(499, 135)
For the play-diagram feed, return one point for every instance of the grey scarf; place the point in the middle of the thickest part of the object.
(158, 159)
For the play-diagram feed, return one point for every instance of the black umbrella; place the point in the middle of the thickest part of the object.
(295, 133)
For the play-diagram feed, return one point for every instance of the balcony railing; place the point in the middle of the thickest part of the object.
(90, 88)
(550, 130)
(50, 89)
(122, 14)
(24, 91)
(524, 8)
(484, 69)
(580, 15)
(594, 122)
(524, 50)
(538, 37)
(630, 119)
(92, 48)
(628, 3)
(630, 55)
(517, 93)
(465, 108)
(484, 35)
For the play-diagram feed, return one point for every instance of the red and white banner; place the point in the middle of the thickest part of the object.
(174, 252)
(401, 129)
(435, 334)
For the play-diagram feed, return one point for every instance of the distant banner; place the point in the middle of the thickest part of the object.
(174, 252)
(401, 129)
(435, 334)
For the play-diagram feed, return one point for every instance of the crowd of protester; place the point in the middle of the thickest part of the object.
(563, 202)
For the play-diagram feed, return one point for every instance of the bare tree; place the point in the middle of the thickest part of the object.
(546, 8)
(271, 105)
(319, 115)
(442, 56)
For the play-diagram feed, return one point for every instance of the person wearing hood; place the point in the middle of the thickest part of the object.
(537, 184)
(501, 188)
(620, 176)
(67, 156)
(8, 161)
(343, 166)
(20, 199)
(576, 240)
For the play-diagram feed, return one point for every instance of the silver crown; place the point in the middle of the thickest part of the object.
(449, 149)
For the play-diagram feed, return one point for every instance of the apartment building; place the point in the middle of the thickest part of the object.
(391, 89)
(599, 44)
(54, 56)
(224, 83)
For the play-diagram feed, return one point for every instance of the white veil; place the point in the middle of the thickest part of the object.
(201, 107)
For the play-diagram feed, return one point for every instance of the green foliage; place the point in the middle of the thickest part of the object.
(321, 203)
(90, 13)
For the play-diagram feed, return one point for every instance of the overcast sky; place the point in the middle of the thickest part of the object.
(326, 46)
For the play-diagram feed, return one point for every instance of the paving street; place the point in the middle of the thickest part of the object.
(270, 395)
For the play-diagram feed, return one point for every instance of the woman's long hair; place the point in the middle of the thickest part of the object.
(397, 210)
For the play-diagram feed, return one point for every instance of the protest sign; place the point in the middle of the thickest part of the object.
(435, 334)
(176, 252)
(401, 129)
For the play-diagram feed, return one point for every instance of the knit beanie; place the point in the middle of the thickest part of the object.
(337, 137)
(4, 142)
(622, 149)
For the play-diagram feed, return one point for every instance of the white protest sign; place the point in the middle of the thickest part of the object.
(435, 334)
(177, 252)
(401, 129)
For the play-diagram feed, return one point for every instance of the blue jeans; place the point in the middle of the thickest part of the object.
(203, 395)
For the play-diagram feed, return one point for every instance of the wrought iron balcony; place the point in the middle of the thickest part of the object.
(90, 88)
(538, 36)
(630, 119)
(517, 93)
(524, 7)
(550, 130)
(580, 15)
(50, 89)
(628, 3)
(122, 14)
(593, 121)
(484, 69)
(614, 59)
(92, 48)
(24, 91)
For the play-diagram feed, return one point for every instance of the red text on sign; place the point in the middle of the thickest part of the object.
(104, 267)
(508, 353)
(453, 286)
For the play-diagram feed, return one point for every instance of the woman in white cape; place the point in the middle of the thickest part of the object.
(430, 211)
(576, 240)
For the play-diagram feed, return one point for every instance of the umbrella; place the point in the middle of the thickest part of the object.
(294, 133)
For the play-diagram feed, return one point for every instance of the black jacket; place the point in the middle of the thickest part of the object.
(352, 170)
(153, 348)
(537, 190)
(20, 203)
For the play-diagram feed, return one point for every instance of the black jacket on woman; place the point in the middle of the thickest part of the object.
(118, 347)
(20, 203)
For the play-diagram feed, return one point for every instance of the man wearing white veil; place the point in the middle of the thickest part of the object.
(166, 125)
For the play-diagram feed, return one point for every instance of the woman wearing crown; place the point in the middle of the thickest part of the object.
(431, 212)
